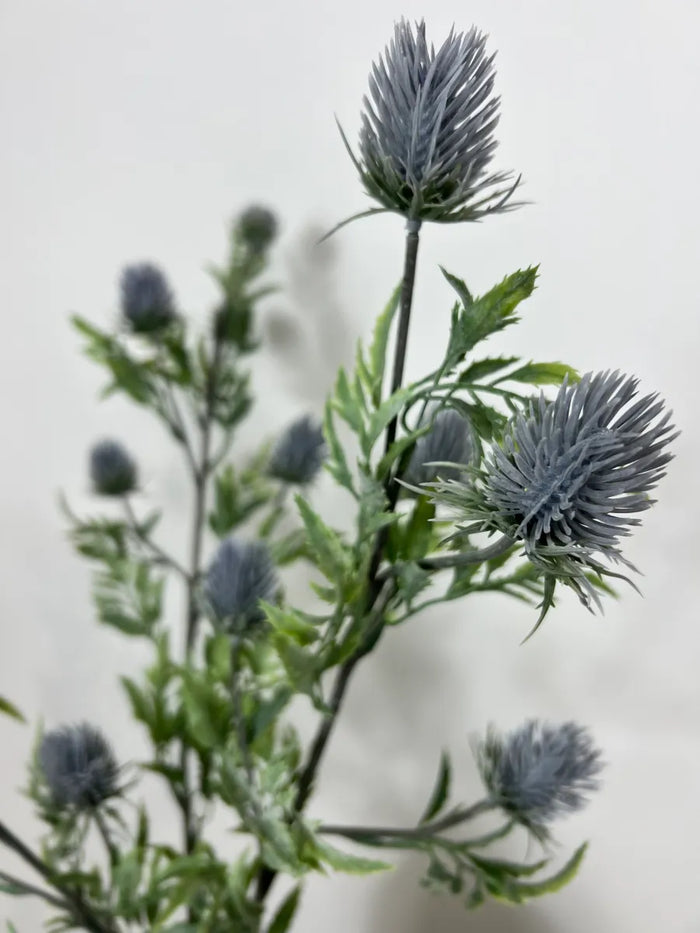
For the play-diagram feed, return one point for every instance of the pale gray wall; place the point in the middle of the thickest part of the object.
(132, 130)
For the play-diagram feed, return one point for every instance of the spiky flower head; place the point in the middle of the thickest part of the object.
(427, 129)
(112, 470)
(146, 299)
(570, 474)
(79, 766)
(451, 440)
(241, 573)
(257, 227)
(299, 453)
(540, 771)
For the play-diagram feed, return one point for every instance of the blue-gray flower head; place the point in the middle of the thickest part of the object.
(540, 771)
(146, 299)
(299, 453)
(79, 766)
(239, 576)
(450, 440)
(570, 474)
(427, 129)
(112, 470)
(257, 228)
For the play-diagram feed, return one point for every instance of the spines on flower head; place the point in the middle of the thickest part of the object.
(240, 574)
(427, 129)
(112, 470)
(79, 766)
(299, 453)
(146, 298)
(540, 771)
(257, 227)
(450, 441)
(570, 474)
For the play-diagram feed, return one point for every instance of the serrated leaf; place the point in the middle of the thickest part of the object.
(377, 348)
(441, 790)
(479, 369)
(343, 861)
(346, 404)
(488, 314)
(459, 286)
(290, 623)
(540, 374)
(9, 709)
(336, 463)
(331, 555)
(380, 418)
(285, 913)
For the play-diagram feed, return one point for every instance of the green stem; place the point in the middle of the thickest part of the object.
(375, 587)
(81, 912)
(424, 831)
(465, 558)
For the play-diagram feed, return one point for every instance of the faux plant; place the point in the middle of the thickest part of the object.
(471, 479)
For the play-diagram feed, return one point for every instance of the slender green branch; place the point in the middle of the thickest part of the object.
(177, 424)
(421, 832)
(76, 905)
(103, 830)
(158, 553)
(27, 888)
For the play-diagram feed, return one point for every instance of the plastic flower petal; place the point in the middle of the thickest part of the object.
(427, 129)
(79, 766)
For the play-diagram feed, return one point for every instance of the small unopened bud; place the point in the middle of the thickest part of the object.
(257, 228)
(146, 299)
(112, 470)
(299, 453)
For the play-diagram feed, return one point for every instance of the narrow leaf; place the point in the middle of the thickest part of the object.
(441, 790)
(9, 709)
(285, 914)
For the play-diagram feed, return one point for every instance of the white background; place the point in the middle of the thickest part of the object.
(133, 130)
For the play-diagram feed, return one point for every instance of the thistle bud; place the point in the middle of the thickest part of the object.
(146, 299)
(239, 576)
(450, 441)
(540, 771)
(112, 470)
(257, 228)
(79, 766)
(299, 453)
(427, 129)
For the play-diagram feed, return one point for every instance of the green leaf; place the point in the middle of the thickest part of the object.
(9, 709)
(441, 790)
(463, 292)
(377, 348)
(291, 623)
(473, 322)
(380, 418)
(518, 892)
(540, 374)
(336, 462)
(342, 861)
(302, 667)
(479, 369)
(345, 402)
(332, 557)
(285, 914)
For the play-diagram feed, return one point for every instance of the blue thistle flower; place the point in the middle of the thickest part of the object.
(540, 771)
(79, 766)
(299, 453)
(427, 129)
(112, 470)
(239, 576)
(257, 228)
(450, 441)
(569, 475)
(146, 299)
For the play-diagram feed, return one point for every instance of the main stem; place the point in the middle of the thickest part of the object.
(375, 588)
(201, 476)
